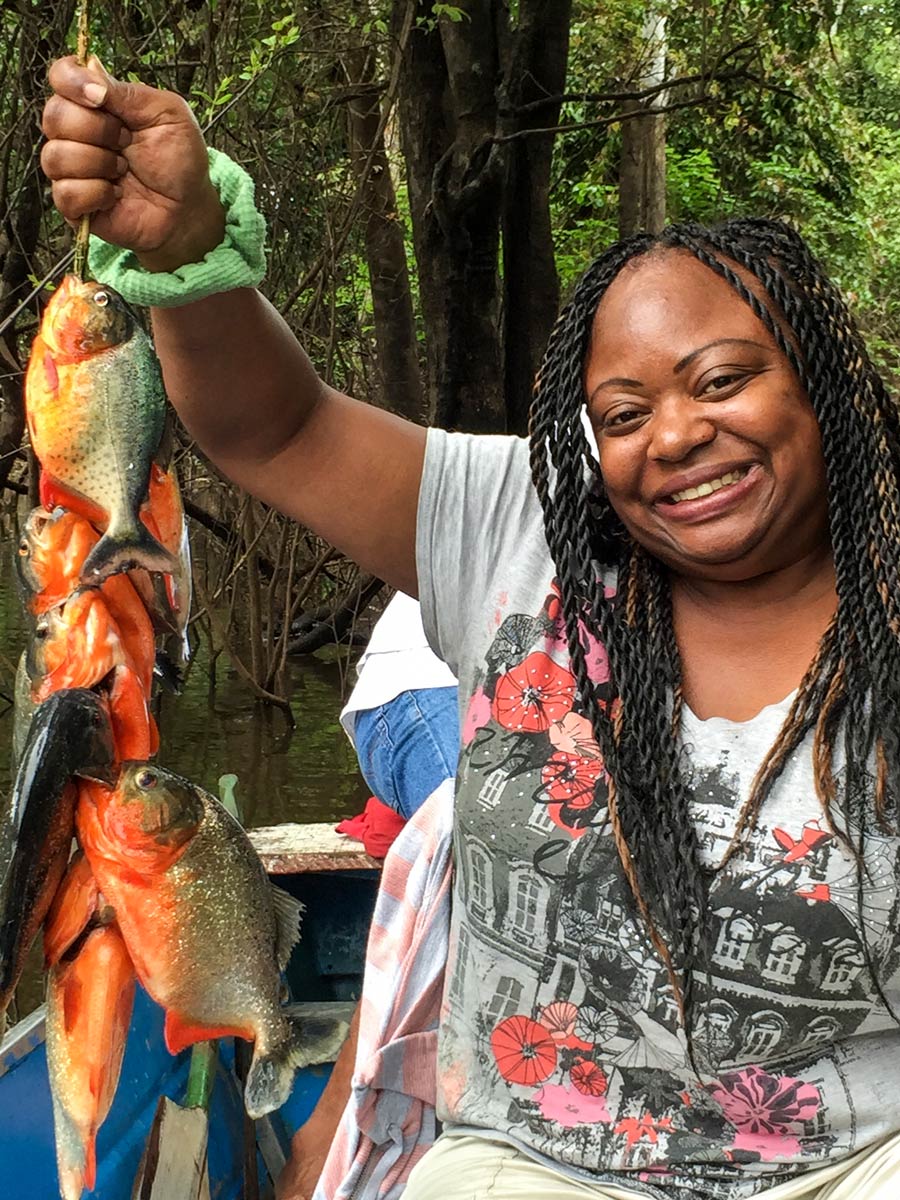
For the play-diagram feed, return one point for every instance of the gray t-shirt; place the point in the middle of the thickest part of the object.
(560, 1031)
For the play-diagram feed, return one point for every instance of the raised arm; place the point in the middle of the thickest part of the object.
(241, 383)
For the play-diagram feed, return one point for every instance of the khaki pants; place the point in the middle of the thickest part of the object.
(462, 1167)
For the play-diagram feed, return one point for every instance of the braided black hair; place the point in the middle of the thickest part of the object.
(853, 683)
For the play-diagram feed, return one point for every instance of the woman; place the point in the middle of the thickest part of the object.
(673, 967)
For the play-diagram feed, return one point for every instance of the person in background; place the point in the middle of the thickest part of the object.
(403, 714)
(403, 720)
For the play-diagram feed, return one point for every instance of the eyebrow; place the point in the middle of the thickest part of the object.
(619, 381)
(689, 358)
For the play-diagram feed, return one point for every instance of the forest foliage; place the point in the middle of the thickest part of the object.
(435, 176)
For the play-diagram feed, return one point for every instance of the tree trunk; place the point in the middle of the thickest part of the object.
(530, 282)
(448, 119)
(395, 328)
(642, 171)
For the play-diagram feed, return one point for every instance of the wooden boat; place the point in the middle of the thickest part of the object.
(336, 881)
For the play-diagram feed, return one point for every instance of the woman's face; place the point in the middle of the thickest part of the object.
(709, 447)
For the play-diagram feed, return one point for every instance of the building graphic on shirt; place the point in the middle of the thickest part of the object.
(577, 1025)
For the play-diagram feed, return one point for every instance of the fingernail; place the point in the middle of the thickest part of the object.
(94, 93)
(121, 165)
(118, 192)
(124, 138)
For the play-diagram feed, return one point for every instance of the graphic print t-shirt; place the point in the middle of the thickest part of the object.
(560, 1032)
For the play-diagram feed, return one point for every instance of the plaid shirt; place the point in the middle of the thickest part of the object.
(389, 1121)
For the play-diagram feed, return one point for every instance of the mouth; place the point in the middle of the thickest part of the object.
(708, 488)
(711, 497)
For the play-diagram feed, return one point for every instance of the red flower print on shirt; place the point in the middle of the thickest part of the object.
(636, 1129)
(570, 778)
(588, 1078)
(533, 695)
(524, 1051)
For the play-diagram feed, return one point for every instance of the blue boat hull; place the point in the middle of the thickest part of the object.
(326, 966)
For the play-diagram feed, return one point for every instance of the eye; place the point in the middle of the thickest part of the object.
(620, 417)
(146, 779)
(101, 299)
(718, 383)
(23, 549)
(41, 632)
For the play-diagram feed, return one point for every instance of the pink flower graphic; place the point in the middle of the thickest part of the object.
(574, 735)
(569, 1108)
(534, 694)
(596, 658)
(477, 715)
(766, 1110)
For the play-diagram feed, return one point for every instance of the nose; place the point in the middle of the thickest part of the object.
(679, 425)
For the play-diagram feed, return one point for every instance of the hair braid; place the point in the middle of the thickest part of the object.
(854, 680)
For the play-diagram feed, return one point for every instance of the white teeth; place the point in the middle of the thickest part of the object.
(707, 489)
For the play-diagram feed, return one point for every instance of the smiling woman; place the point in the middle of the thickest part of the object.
(674, 966)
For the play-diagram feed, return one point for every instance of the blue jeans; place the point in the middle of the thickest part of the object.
(408, 746)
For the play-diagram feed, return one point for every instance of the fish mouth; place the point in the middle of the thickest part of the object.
(108, 776)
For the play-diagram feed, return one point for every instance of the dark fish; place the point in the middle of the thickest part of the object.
(69, 735)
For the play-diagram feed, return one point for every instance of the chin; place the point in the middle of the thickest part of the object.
(731, 558)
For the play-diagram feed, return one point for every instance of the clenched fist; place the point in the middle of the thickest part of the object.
(134, 157)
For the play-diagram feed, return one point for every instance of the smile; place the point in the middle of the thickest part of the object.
(707, 489)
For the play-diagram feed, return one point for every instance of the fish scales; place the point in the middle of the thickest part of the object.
(95, 405)
(199, 918)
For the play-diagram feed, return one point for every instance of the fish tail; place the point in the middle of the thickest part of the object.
(308, 1040)
(123, 549)
(72, 1154)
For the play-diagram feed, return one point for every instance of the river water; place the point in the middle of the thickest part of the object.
(309, 774)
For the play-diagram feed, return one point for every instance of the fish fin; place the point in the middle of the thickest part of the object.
(288, 918)
(169, 674)
(76, 901)
(122, 550)
(71, 1162)
(90, 1161)
(271, 1076)
(180, 1032)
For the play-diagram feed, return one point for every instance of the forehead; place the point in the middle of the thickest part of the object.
(667, 304)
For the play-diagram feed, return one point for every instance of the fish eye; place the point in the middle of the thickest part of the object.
(146, 779)
(101, 299)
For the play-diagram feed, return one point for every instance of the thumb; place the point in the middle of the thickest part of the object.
(135, 104)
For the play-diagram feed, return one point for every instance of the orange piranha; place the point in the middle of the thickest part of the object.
(90, 994)
(96, 408)
(52, 551)
(207, 932)
(79, 645)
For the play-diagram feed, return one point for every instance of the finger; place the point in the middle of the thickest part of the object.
(75, 197)
(138, 106)
(82, 85)
(73, 123)
(73, 160)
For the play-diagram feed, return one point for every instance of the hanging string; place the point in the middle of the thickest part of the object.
(82, 238)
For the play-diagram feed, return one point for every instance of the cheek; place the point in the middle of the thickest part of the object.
(620, 467)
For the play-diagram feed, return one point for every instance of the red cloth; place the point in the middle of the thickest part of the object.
(376, 827)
